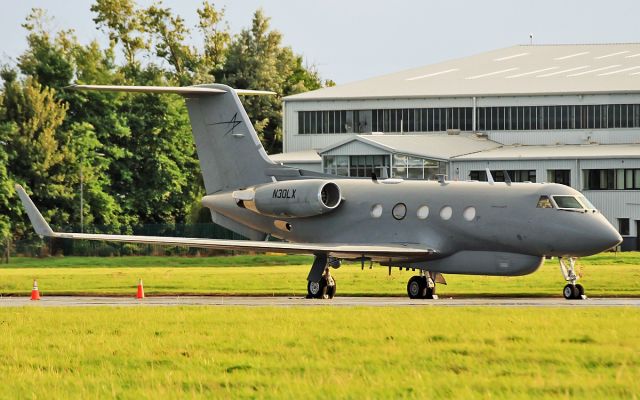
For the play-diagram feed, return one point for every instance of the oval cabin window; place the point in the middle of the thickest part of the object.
(399, 211)
(446, 212)
(469, 213)
(423, 212)
(376, 210)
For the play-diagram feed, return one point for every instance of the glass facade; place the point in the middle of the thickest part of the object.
(405, 167)
(611, 179)
(606, 116)
(519, 118)
(385, 120)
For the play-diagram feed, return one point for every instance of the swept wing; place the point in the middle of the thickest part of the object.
(380, 252)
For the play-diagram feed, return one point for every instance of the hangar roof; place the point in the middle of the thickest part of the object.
(568, 151)
(438, 146)
(516, 70)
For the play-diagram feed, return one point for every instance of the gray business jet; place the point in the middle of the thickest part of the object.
(435, 227)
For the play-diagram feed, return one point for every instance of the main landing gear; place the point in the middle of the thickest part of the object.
(320, 283)
(422, 286)
(572, 290)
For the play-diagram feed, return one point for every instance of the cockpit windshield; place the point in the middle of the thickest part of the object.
(586, 203)
(565, 203)
(568, 202)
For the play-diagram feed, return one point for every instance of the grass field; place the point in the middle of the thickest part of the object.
(209, 352)
(606, 274)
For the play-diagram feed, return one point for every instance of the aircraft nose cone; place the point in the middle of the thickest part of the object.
(608, 237)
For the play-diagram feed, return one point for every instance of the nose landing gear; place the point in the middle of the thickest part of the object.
(572, 290)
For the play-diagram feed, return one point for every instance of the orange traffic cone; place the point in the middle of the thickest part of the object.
(140, 294)
(35, 293)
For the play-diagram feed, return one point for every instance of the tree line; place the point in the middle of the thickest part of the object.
(133, 153)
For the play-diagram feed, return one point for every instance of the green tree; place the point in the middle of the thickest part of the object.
(161, 179)
(123, 23)
(216, 35)
(77, 133)
(7, 198)
(35, 155)
(256, 59)
(169, 32)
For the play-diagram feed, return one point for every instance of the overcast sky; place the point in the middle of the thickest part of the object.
(349, 40)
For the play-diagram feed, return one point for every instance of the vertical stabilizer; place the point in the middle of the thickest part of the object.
(230, 153)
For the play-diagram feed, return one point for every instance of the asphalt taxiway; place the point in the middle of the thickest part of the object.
(82, 301)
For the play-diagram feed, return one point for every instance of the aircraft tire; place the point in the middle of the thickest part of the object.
(580, 289)
(417, 287)
(570, 292)
(314, 290)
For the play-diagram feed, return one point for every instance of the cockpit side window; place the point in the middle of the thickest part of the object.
(544, 202)
(567, 202)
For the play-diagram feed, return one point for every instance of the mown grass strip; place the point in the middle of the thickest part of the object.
(602, 276)
(292, 353)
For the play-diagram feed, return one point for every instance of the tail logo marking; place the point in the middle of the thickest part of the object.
(232, 123)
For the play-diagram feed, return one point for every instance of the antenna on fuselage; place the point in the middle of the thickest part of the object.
(489, 176)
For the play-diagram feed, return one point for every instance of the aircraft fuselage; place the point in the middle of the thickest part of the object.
(469, 223)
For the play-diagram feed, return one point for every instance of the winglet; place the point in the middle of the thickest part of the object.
(37, 220)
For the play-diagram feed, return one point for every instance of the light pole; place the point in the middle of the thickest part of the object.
(81, 197)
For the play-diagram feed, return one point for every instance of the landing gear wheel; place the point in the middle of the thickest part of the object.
(417, 287)
(580, 290)
(314, 290)
(570, 292)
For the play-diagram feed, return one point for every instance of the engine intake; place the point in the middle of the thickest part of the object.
(292, 199)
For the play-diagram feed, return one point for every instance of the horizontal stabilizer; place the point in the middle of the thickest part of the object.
(184, 90)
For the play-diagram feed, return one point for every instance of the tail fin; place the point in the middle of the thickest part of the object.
(230, 153)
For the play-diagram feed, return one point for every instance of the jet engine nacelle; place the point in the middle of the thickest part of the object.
(292, 199)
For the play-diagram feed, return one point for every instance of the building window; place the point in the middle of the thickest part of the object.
(612, 179)
(404, 120)
(364, 166)
(361, 166)
(623, 226)
(561, 176)
(524, 175)
(336, 165)
(599, 116)
(407, 167)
